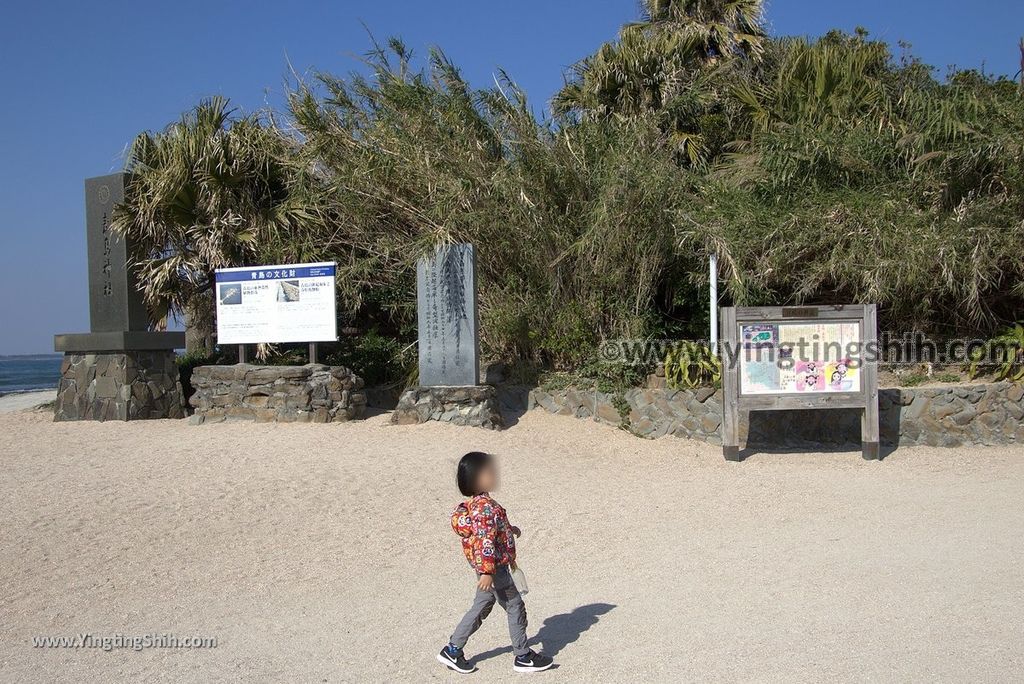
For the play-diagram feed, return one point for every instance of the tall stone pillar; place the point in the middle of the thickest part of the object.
(121, 370)
(449, 345)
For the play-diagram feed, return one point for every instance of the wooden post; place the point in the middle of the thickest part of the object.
(727, 345)
(869, 429)
(732, 341)
(243, 356)
(312, 352)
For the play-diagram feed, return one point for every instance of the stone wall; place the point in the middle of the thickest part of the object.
(134, 385)
(287, 394)
(948, 415)
(474, 405)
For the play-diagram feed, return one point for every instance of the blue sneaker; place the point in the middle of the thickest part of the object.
(453, 659)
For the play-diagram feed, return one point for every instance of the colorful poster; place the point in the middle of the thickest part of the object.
(792, 358)
(281, 303)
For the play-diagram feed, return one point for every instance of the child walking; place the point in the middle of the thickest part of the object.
(488, 541)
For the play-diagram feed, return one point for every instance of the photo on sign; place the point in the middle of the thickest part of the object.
(288, 291)
(230, 294)
(799, 358)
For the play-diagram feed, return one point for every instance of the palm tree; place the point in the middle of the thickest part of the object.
(655, 57)
(210, 191)
(838, 78)
(715, 28)
(671, 68)
(628, 77)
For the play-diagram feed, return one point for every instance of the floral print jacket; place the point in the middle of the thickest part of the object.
(487, 539)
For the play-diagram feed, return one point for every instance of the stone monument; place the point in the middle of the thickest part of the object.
(449, 346)
(121, 370)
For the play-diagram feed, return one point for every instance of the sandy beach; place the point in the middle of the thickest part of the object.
(323, 553)
(19, 401)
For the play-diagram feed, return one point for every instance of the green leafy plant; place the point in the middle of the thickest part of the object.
(212, 190)
(913, 379)
(555, 381)
(947, 377)
(378, 359)
(286, 356)
(1006, 352)
(188, 362)
(621, 405)
(690, 365)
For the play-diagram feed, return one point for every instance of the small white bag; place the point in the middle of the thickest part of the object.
(519, 579)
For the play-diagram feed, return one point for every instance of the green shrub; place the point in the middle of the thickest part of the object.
(691, 365)
(621, 405)
(608, 378)
(913, 379)
(188, 362)
(377, 359)
(1004, 354)
(819, 172)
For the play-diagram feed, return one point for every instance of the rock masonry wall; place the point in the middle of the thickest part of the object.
(948, 416)
(286, 394)
(137, 385)
(475, 406)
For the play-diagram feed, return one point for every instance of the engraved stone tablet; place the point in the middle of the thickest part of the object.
(115, 303)
(446, 298)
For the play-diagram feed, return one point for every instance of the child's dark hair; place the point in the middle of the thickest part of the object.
(469, 469)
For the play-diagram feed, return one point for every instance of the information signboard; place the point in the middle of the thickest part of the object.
(778, 358)
(279, 303)
(799, 358)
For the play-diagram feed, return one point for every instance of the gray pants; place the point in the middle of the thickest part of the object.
(505, 593)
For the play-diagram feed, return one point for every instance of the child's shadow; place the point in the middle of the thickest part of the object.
(558, 631)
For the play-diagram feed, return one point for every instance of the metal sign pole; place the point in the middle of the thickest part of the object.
(714, 303)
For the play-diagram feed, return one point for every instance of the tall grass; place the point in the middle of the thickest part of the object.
(820, 172)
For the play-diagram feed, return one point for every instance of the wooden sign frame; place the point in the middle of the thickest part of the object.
(866, 398)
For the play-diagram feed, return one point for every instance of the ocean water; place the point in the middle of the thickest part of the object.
(27, 373)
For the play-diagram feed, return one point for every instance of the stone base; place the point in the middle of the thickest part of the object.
(473, 405)
(313, 393)
(127, 385)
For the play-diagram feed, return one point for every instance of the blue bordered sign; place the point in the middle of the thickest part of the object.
(277, 303)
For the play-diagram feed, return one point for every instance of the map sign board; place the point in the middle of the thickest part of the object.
(279, 303)
(800, 358)
(796, 358)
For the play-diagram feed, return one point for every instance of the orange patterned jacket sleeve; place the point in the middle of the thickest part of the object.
(487, 539)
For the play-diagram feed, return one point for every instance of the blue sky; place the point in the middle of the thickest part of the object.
(81, 79)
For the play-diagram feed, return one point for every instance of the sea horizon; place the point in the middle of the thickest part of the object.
(20, 373)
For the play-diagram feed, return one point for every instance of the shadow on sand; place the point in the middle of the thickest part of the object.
(557, 632)
(825, 430)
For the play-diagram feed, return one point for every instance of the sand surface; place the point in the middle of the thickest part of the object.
(318, 553)
(19, 401)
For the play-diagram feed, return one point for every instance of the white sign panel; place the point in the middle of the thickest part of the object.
(282, 303)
